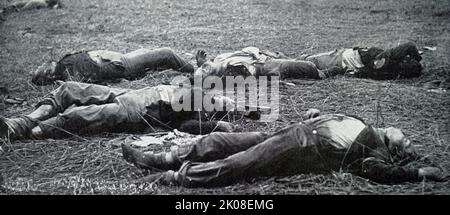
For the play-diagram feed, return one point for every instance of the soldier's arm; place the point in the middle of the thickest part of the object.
(379, 171)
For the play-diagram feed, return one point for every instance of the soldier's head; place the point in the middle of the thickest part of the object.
(45, 74)
(398, 144)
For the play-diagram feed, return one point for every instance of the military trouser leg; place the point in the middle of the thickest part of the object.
(291, 69)
(290, 151)
(81, 94)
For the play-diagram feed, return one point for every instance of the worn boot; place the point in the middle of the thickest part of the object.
(145, 160)
(16, 128)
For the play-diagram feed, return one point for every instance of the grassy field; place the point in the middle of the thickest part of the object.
(93, 164)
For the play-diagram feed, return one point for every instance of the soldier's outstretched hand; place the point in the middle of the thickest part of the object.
(200, 57)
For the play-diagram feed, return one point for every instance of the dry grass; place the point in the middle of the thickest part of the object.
(94, 164)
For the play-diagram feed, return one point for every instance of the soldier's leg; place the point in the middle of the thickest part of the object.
(68, 94)
(174, 61)
(159, 58)
(288, 152)
(92, 119)
(212, 147)
(80, 94)
(291, 69)
(74, 93)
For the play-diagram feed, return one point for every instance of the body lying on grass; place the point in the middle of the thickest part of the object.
(105, 66)
(31, 5)
(402, 61)
(81, 108)
(320, 144)
(399, 62)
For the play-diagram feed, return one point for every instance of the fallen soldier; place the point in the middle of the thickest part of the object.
(320, 144)
(399, 62)
(80, 108)
(402, 61)
(103, 66)
(31, 5)
(251, 61)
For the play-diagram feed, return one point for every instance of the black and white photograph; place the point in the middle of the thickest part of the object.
(224, 97)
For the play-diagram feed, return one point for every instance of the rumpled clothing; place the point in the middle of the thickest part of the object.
(251, 61)
(247, 57)
(351, 60)
(90, 108)
(103, 65)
